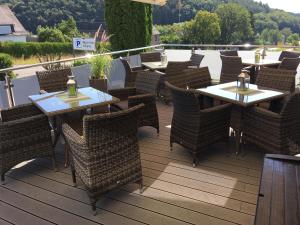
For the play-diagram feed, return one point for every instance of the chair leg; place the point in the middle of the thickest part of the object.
(171, 146)
(67, 149)
(3, 179)
(94, 208)
(195, 159)
(141, 185)
(54, 164)
(73, 175)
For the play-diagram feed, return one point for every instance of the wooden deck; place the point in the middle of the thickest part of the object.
(221, 190)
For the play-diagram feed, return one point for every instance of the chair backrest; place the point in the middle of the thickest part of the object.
(231, 68)
(283, 80)
(53, 80)
(126, 65)
(185, 102)
(150, 57)
(196, 59)
(288, 54)
(148, 81)
(289, 64)
(176, 68)
(197, 78)
(107, 130)
(229, 53)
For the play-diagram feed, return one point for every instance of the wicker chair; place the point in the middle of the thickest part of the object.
(288, 54)
(145, 92)
(231, 68)
(283, 80)
(194, 127)
(196, 78)
(275, 132)
(24, 134)
(289, 64)
(150, 57)
(229, 53)
(174, 75)
(107, 155)
(131, 73)
(53, 80)
(196, 60)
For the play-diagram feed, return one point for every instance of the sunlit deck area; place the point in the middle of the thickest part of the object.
(222, 189)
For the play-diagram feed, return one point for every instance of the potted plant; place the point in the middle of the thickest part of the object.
(100, 68)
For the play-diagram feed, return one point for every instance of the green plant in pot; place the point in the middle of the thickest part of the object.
(6, 61)
(100, 68)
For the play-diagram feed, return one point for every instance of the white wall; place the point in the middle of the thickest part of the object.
(13, 38)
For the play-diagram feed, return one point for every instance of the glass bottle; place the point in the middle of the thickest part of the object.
(72, 87)
(257, 56)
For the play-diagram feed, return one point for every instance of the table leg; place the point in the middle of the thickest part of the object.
(237, 125)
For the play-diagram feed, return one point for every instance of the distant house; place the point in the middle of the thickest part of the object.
(10, 27)
(155, 36)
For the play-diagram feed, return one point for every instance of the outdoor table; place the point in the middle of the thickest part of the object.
(279, 200)
(57, 104)
(155, 65)
(258, 65)
(241, 100)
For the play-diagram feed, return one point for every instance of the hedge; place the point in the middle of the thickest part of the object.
(129, 24)
(29, 49)
(5, 62)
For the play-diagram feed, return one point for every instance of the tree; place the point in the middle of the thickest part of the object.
(50, 34)
(69, 29)
(294, 39)
(129, 23)
(235, 23)
(271, 36)
(203, 29)
(286, 32)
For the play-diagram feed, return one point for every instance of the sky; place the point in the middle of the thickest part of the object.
(286, 5)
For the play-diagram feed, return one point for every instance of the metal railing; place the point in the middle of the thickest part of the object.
(9, 85)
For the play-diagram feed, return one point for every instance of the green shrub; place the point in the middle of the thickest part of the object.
(49, 34)
(5, 62)
(80, 62)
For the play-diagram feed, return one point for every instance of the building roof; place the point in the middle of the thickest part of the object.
(8, 18)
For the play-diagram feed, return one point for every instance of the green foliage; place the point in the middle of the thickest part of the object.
(65, 31)
(80, 62)
(235, 24)
(171, 34)
(6, 62)
(203, 29)
(100, 66)
(129, 23)
(69, 29)
(293, 39)
(49, 34)
(271, 36)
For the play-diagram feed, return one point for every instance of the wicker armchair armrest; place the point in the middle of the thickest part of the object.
(217, 109)
(122, 93)
(142, 98)
(136, 68)
(23, 128)
(19, 112)
(265, 114)
(73, 137)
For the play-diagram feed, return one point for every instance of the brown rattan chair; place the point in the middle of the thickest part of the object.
(107, 155)
(229, 53)
(196, 59)
(145, 92)
(150, 57)
(194, 127)
(25, 134)
(283, 80)
(174, 75)
(130, 73)
(289, 64)
(53, 80)
(288, 54)
(196, 78)
(275, 132)
(231, 68)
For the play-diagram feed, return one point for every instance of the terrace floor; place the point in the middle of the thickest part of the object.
(222, 189)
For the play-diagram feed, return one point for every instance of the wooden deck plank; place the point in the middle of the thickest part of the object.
(40, 209)
(221, 190)
(18, 216)
(4, 222)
